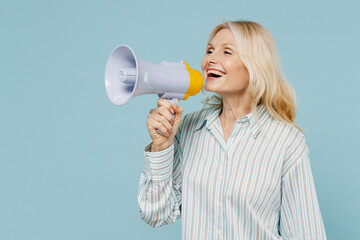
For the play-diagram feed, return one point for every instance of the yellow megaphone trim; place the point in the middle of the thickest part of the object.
(196, 82)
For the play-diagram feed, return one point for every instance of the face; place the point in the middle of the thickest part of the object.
(224, 72)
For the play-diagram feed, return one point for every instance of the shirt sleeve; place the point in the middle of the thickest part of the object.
(300, 216)
(159, 193)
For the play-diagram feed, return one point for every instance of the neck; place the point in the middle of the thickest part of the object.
(235, 108)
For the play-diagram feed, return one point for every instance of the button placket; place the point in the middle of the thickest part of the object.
(219, 196)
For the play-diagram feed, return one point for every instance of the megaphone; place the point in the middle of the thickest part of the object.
(127, 76)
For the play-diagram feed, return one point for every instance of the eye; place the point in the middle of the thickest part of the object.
(209, 51)
(227, 52)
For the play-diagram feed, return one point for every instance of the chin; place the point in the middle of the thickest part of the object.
(210, 88)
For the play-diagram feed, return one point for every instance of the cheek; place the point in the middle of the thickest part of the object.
(245, 73)
(238, 75)
(230, 67)
(203, 65)
(242, 71)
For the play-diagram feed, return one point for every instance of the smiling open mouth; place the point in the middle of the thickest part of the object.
(215, 73)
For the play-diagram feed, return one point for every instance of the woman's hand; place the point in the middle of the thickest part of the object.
(162, 119)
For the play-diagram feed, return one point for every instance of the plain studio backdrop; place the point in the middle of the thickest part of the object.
(70, 160)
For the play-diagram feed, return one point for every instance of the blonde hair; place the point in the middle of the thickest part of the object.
(267, 84)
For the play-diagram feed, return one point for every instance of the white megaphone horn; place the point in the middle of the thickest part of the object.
(127, 76)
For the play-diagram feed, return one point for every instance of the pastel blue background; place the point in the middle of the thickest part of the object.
(70, 160)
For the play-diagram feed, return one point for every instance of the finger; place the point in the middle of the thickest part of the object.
(166, 118)
(152, 111)
(161, 111)
(159, 126)
(165, 103)
(151, 114)
(163, 120)
(178, 110)
(165, 112)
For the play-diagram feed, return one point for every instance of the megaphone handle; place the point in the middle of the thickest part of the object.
(172, 101)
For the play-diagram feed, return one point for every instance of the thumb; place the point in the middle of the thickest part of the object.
(178, 113)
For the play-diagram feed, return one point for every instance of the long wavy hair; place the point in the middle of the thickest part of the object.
(267, 84)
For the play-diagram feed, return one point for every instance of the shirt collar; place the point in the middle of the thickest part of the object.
(255, 120)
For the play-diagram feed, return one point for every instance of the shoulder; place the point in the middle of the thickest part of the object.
(292, 133)
(275, 129)
(285, 137)
(296, 147)
(280, 130)
(292, 136)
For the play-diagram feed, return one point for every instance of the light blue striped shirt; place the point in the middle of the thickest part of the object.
(256, 185)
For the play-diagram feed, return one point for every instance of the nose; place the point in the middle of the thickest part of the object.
(211, 59)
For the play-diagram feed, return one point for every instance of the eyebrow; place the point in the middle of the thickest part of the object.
(223, 44)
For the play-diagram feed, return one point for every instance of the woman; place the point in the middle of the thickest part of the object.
(240, 168)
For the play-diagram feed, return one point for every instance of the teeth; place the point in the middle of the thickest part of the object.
(216, 72)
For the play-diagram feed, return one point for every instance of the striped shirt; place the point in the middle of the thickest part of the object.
(256, 185)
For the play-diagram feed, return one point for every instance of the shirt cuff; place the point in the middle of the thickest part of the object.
(159, 165)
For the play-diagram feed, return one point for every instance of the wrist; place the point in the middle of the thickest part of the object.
(159, 147)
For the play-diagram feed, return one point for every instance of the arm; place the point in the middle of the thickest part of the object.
(159, 193)
(160, 188)
(300, 216)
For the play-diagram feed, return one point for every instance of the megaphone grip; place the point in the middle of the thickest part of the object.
(172, 101)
